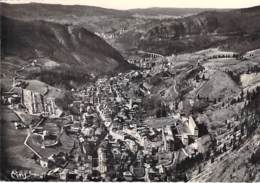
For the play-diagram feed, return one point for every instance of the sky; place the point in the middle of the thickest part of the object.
(130, 4)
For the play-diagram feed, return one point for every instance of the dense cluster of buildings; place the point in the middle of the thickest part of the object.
(126, 133)
(107, 136)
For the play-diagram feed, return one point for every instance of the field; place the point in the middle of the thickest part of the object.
(43, 88)
(6, 84)
(249, 79)
(220, 85)
(13, 152)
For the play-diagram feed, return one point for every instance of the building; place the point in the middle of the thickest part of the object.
(27, 100)
(37, 104)
(192, 127)
(44, 163)
(64, 175)
(187, 130)
(128, 176)
(102, 160)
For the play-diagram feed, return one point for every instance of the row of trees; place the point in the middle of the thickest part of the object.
(249, 96)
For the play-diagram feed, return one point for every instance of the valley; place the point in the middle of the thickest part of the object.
(94, 94)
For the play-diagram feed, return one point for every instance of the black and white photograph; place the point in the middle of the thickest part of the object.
(130, 90)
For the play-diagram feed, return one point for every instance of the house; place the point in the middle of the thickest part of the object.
(192, 127)
(44, 163)
(98, 132)
(88, 132)
(102, 160)
(138, 171)
(187, 130)
(27, 100)
(165, 158)
(10, 98)
(168, 133)
(75, 127)
(19, 125)
(128, 176)
(64, 175)
(147, 87)
(59, 159)
(183, 133)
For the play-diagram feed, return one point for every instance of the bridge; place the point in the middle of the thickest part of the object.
(150, 54)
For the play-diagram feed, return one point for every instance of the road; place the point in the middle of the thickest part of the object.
(25, 143)
(174, 87)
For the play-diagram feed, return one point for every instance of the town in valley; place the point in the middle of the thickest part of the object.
(84, 112)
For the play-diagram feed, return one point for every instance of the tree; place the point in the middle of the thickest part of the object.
(203, 77)
(224, 148)
(212, 159)
(215, 101)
